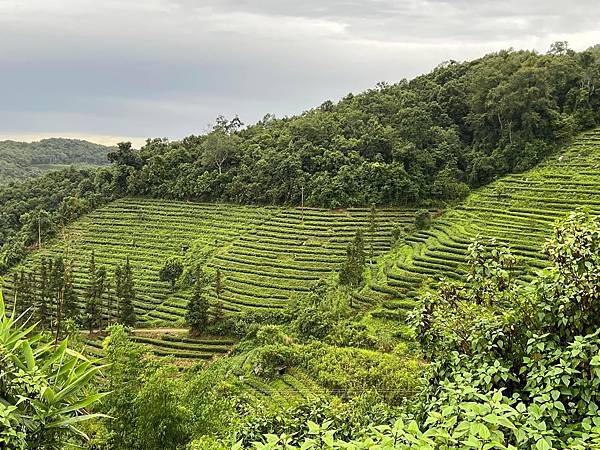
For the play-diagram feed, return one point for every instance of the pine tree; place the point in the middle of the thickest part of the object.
(197, 313)
(218, 313)
(43, 310)
(127, 293)
(359, 245)
(33, 294)
(17, 293)
(57, 286)
(101, 288)
(26, 297)
(111, 293)
(92, 309)
(118, 283)
(70, 306)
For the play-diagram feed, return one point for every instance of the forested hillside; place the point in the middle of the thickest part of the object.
(298, 340)
(414, 267)
(426, 140)
(22, 160)
(423, 142)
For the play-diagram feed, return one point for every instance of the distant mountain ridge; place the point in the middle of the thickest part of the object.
(22, 160)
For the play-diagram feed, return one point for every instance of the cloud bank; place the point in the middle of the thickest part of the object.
(157, 68)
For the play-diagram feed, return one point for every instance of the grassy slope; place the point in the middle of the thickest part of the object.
(519, 210)
(266, 255)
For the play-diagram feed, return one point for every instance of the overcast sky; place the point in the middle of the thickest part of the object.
(114, 69)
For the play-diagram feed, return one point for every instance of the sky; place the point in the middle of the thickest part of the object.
(112, 70)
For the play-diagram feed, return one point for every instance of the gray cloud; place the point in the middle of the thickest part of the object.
(168, 67)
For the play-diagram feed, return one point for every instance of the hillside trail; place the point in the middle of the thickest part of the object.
(147, 330)
(159, 330)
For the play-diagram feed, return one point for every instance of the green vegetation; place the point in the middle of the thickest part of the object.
(518, 210)
(512, 366)
(43, 388)
(265, 256)
(171, 271)
(197, 309)
(427, 140)
(21, 160)
(33, 212)
(420, 313)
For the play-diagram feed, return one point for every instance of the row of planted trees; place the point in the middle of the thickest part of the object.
(49, 296)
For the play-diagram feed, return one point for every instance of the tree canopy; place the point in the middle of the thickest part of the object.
(426, 140)
(21, 160)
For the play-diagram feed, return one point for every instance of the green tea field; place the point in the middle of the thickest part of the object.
(265, 255)
(519, 210)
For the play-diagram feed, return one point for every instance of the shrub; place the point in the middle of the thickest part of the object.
(41, 401)
(422, 219)
(269, 358)
(171, 271)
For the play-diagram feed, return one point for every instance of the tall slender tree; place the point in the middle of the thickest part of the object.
(70, 304)
(33, 294)
(197, 311)
(118, 285)
(101, 288)
(26, 298)
(57, 287)
(218, 283)
(126, 294)
(372, 232)
(45, 295)
(17, 293)
(92, 299)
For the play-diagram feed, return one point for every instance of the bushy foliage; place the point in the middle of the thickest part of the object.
(44, 388)
(315, 314)
(536, 345)
(152, 405)
(349, 418)
(171, 271)
(422, 219)
(425, 140)
(512, 366)
(349, 371)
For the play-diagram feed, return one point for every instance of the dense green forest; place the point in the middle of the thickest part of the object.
(429, 139)
(21, 160)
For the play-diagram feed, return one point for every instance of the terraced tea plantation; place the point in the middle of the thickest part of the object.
(518, 209)
(265, 255)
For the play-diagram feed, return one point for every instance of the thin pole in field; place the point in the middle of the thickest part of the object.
(302, 188)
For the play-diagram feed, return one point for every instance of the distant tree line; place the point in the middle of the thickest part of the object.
(21, 160)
